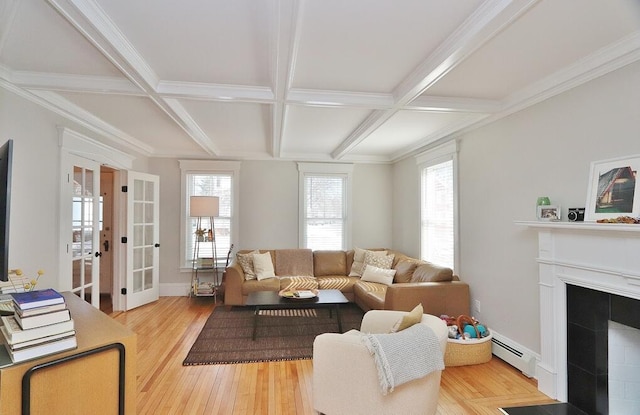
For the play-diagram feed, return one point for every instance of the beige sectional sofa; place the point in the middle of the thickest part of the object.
(415, 281)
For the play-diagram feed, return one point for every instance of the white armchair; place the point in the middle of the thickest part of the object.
(345, 378)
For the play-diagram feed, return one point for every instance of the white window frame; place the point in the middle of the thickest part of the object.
(188, 167)
(344, 171)
(443, 153)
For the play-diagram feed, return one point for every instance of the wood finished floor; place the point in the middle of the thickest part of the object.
(167, 328)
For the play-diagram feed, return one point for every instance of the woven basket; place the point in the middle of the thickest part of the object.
(468, 352)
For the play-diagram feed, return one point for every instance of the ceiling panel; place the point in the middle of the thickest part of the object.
(235, 128)
(213, 41)
(318, 131)
(140, 118)
(40, 40)
(370, 45)
(406, 128)
(551, 36)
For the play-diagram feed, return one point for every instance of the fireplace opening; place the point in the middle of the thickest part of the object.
(594, 351)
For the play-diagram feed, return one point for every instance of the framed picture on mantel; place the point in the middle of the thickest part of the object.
(613, 189)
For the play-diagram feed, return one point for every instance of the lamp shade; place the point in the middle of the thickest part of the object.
(207, 206)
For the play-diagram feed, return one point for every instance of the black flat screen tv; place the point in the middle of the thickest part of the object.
(6, 157)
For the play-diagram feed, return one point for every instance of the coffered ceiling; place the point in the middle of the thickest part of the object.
(313, 80)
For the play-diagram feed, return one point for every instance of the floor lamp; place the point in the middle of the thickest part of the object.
(205, 207)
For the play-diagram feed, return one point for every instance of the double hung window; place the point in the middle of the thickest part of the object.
(209, 179)
(324, 206)
(438, 213)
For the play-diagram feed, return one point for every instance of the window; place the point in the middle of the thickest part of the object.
(202, 178)
(438, 219)
(324, 205)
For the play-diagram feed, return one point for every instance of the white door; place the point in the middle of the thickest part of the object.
(143, 245)
(83, 204)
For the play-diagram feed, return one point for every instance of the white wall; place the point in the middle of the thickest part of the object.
(545, 150)
(269, 209)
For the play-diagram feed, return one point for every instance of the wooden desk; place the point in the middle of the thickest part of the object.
(88, 384)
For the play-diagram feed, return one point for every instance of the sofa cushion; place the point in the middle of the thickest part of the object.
(429, 272)
(379, 275)
(246, 262)
(298, 283)
(263, 266)
(329, 263)
(358, 261)
(269, 284)
(377, 260)
(405, 269)
(294, 262)
(337, 282)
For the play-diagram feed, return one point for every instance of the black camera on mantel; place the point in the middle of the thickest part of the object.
(576, 215)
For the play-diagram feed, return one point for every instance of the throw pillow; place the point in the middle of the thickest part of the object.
(246, 262)
(263, 266)
(381, 261)
(358, 261)
(409, 319)
(379, 275)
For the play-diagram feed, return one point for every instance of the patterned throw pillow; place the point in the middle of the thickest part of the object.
(358, 261)
(246, 262)
(380, 261)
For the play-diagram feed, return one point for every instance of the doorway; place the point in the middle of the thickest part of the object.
(107, 180)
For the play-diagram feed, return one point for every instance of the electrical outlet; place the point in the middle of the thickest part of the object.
(476, 306)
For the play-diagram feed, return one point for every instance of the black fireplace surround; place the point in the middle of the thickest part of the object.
(588, 313)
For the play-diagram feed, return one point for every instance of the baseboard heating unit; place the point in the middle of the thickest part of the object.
(516, 355)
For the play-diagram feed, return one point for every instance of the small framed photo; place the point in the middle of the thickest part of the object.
(549, 212)
(613, 189)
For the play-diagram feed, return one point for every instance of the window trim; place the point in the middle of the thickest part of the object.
(208, 167)
(329, 169)
(440, 154)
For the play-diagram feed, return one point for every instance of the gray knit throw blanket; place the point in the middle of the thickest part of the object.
(404, 356)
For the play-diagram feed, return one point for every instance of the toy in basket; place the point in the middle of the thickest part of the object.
(469, 342)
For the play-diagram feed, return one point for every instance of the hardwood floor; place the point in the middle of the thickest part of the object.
(167, 328)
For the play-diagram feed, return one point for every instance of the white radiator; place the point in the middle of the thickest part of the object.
(513, 353)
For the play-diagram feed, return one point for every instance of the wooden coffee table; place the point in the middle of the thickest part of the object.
(270, 300)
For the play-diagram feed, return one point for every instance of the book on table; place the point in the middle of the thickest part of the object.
(39, 320)
(37, 298)
(35, 342)
(40, 310)
(43, 349)
(15, 333)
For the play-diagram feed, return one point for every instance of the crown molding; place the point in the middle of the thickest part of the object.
(67, 109)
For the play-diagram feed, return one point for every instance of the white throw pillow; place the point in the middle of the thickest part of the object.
(263, 266)
(379, 275)
(358, 261)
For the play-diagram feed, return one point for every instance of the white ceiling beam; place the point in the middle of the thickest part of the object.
(487, 21)
(215, 92)
(451, 104)
(319, 98)
(285, 41)
(75, 83)
(91, 21)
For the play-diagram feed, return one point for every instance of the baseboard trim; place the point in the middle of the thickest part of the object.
(175, 289)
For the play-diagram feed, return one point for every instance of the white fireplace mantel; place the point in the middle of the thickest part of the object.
(598, 256)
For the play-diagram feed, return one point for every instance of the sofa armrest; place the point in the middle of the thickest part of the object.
(234, 278)
(437, 298)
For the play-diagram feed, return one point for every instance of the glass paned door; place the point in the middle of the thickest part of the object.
(85, 255)
(143, 241)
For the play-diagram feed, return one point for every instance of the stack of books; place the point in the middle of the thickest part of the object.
(41, 325)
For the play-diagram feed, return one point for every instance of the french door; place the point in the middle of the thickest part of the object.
(82, 247)
(143, 245)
